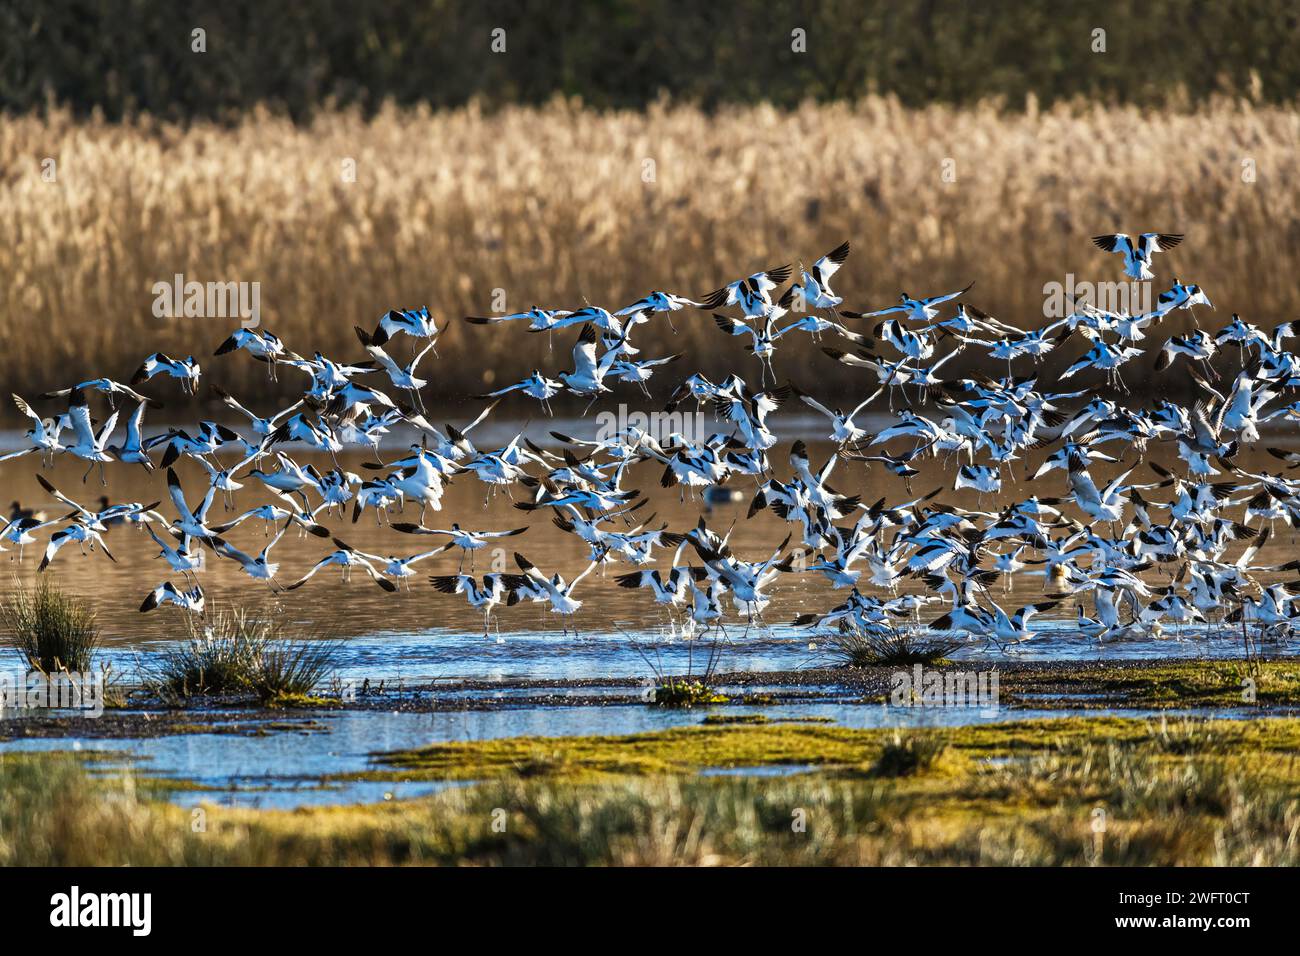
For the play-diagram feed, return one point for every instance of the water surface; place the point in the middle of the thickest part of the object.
(419, 634)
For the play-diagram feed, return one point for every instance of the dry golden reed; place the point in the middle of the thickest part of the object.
(559, 206)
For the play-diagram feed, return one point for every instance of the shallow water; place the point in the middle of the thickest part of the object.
(280, 770)
(419, 634)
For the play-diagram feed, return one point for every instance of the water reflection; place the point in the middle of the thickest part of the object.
(418, 633)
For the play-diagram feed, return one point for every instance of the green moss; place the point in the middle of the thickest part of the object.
(684, 692)
(1187, 683)
(681, 750)
(721, 720)
(837, 750)
(286, 701)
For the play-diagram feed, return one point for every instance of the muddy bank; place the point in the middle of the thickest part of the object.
(1269, 686)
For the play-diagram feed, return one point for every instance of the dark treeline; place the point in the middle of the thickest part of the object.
(130, 56)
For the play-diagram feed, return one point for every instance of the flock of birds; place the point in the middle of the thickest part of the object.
(1092, 543)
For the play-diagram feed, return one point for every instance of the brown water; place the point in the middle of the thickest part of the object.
(419, 632)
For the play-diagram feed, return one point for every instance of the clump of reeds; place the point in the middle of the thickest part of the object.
(892, 648)
(293, 669)
(54, 630)
(238, 651)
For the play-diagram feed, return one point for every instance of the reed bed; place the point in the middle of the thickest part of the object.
(466, 210)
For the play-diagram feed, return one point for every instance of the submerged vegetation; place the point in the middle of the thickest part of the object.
(239, 651)
(54, 630)
(1192, 793)
(686, 692)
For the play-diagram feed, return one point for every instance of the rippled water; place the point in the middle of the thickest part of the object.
(419, 633)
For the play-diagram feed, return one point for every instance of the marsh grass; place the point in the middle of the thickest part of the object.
(1232, 804)
(549, 206)
(240, 651)
(1183, 737)
(54, 630)
(692, 689)
(290, 670)
(904, 756)
(898, 647)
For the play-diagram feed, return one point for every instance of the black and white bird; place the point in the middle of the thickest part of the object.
(753, 294)
(588, 376)
(1181, 296)
(417, 323)
(815, 289)
(43, 434)
(86, 443)
(469, 542)
(918, 310)
(113, 390)
(262, 345)
(554, 589)
(536, 386)
(402, 376)
(259, 567)
(539, 320)
(347, 558)
(132, 451)
(660, 302)
(191, 599)
(1137, 255)
(186, 369)
(485, 595)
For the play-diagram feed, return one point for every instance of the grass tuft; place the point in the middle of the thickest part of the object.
(289, 671)
(54, 630)
(897, 648)
(905, 757)
(242, 652)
